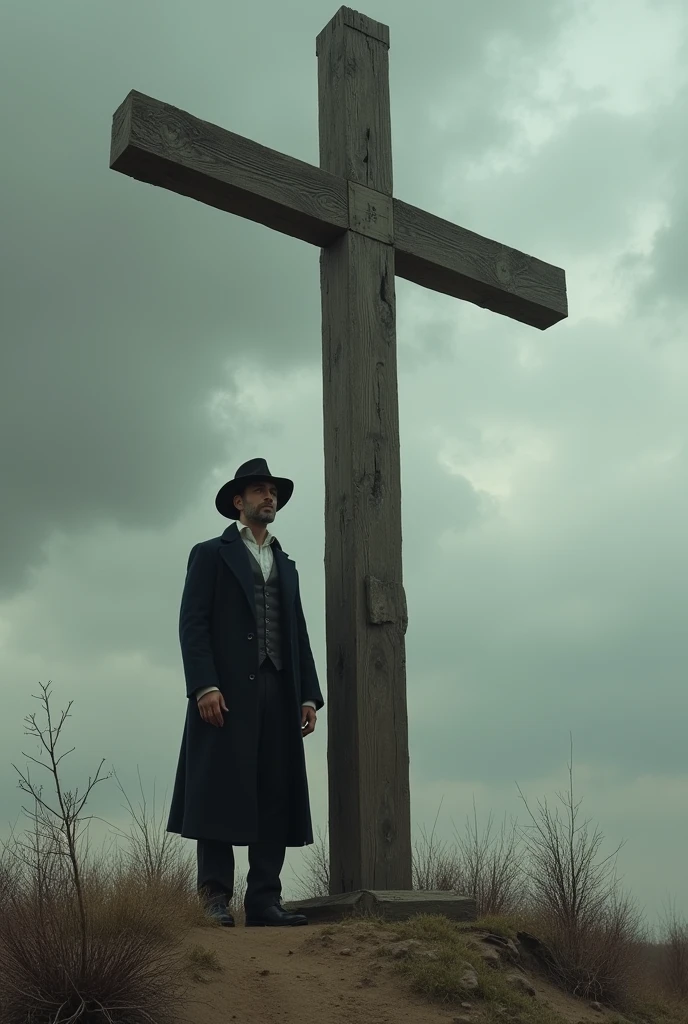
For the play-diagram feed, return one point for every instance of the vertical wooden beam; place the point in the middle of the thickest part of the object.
(369, 804)
(353, 100)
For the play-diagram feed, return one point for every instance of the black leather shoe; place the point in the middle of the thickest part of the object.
(274, 917)
(219, 912)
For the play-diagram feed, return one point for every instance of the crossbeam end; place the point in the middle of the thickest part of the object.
(162, 145)
(444, 257)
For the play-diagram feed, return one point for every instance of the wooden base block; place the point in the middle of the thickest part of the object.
(393, 905)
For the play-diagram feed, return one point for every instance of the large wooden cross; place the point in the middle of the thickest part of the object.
(346, 207)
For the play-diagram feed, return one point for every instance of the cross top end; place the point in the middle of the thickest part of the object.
(346, 17)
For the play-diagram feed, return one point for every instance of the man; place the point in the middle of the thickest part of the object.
(253, 696)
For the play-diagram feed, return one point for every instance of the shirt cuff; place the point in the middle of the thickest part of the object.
(209, 689)
(203, 690)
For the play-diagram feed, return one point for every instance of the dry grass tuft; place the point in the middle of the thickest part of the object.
(491, 867)
(236, 904)
(483, 863)
(202, 962)
(127, 974)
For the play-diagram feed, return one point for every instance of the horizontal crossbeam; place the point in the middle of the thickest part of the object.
(162, 145)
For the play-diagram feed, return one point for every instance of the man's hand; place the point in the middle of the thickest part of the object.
(308, 720)
(211, 706)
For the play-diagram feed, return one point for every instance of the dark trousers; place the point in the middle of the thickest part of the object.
(266, 855)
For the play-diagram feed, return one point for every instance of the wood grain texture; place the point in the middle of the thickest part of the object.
(392, 905)
(370, 831)
(353, 106)
(162, 145)
(446, 258)
(370, 842)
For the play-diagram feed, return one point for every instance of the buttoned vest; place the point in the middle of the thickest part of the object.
(268, 612)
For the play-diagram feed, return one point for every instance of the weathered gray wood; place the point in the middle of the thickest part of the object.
(437, 254)
(386, 602)
(391, 905)
(370, 843)
(370, 830)
(162, 145)
(371, 213)
(353, 100)
(364, 24)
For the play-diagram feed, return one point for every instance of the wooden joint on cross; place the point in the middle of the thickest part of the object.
(386, 602)
(371, 213)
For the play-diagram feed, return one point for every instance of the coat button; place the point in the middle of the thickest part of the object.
(252, 676)
(250, 636)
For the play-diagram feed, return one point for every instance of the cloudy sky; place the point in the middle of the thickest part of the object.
(151, 344)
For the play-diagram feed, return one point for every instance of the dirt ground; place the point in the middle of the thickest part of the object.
(305, 975)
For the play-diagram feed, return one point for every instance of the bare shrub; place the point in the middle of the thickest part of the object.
(151, 864)
(435, 864)
(490, 867)
(9, 872)
(66, 955)
(673, 961)
(591, 927)
(481, 863)
(314, 879)
(151, 851)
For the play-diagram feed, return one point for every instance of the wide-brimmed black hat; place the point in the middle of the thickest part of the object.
(250, 472)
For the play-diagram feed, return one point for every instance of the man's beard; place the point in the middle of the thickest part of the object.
(259, 514)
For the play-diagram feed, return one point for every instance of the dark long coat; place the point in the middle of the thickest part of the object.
(215, 787)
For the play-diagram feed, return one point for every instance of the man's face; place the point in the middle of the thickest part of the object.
(258, 502)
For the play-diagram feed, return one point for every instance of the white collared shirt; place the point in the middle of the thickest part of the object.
(263, 554)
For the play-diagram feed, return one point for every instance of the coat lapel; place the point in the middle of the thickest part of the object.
(287, 577)
(235, 555)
